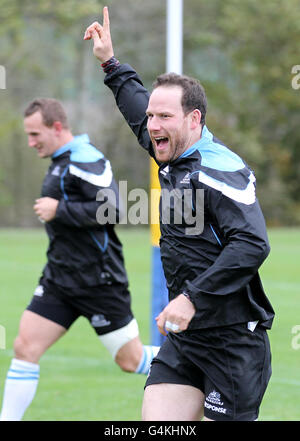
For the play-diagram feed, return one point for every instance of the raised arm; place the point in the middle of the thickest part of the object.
(130, 94)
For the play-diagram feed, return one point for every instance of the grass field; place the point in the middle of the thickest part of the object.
(80, 382)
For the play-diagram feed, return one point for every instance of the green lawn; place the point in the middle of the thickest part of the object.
(281, 278)
(79, 381)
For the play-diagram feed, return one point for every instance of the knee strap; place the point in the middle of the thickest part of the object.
(114, 340)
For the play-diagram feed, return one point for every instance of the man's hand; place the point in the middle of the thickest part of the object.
(179, 311)
(103, 48)
(46, 208)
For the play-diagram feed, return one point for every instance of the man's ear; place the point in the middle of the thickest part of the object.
(57, 125)
(195, 118)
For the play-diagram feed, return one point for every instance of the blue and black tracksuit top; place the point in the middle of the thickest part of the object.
(218, 267)
(81, 252)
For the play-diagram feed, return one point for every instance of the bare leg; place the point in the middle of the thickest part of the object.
(36, 335)
(129, 355)
(172, 402)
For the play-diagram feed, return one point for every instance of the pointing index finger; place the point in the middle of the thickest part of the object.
(105, 18)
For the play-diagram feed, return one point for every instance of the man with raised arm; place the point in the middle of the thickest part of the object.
(216, 358)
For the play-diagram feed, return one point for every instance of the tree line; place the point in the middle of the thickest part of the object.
(244, 53)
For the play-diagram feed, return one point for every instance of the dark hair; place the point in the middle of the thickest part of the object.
(50, 109)
(193, 93)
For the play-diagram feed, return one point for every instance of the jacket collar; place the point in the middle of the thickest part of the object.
(70, 145)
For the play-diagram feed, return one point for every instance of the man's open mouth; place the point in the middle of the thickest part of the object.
(161, 142)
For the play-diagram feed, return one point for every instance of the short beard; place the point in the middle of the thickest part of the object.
(180, 147)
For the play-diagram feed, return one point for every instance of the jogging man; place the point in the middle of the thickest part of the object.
(216, 358)
(85, 273)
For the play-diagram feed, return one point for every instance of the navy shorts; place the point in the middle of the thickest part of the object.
(107, 307)
(230, 365)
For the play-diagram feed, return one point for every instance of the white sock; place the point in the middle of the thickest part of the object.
(148, 354)
(20, 387)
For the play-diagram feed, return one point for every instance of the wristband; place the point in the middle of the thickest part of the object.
(110, 65)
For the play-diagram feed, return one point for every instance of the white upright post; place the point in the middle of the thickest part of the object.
(174, 36)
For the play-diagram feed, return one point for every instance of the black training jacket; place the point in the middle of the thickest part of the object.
(217, 267)
(81, 252)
